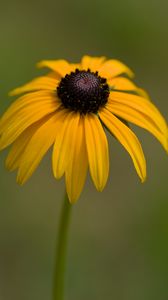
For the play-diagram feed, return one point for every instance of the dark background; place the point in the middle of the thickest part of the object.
(119, 238)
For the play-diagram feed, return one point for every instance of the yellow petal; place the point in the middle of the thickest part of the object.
(112, 68)
(142, 105)
(40, 83)
(54, 75)
(63, 144)
(124, 84)
(24, 102)
(13, 127)
(97, 149)
(78, 163)
(15, 155)
(92, 63)
(145, 121)
(121, 83)
(128, 139)
(61, 67)
(74, 67)
(38, 145)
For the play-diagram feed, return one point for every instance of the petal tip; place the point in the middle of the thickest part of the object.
(21, 178)
(165, 144)
(16, 92)
(72, 200)
(40, 65)
(143, 179)
(57, 173)
(100, 188)
(8, 166)
(12, 93)
(20, 181)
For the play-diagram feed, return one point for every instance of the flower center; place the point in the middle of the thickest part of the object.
(83, 91)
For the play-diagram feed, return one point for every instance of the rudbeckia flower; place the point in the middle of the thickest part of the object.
(68, 109)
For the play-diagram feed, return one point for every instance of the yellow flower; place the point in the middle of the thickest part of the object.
(68, 109)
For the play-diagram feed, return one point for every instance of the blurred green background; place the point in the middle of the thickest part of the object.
(118, 247)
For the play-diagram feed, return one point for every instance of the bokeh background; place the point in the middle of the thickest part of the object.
(118, 246)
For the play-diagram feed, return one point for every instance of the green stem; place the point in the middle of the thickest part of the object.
(58, 291)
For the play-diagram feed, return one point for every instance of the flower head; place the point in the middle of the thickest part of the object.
(69, 109)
